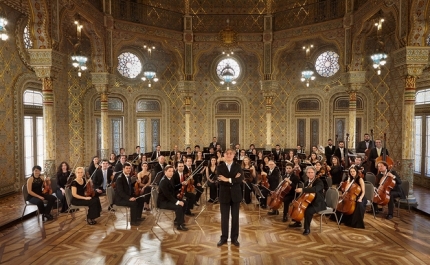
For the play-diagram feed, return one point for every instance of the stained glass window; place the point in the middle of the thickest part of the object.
(27, 40)
(228, 62)
(327, 64)
(129, 65)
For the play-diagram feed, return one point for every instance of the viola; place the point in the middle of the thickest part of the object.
(47, 188)
(89, 189)
(277, 197)
(137, 191)
(347, 202)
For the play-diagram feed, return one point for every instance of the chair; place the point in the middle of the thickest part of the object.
(69, 195)
(369, 191)
(27, 203)
(370, 177)
(158, 211)
(405, 188)
(110, 193)
(331, 199)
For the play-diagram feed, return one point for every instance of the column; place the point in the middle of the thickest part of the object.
(410, 61)
(356, 80)
(46, 64)
(269, 88)
(187, 89)
(101, 83)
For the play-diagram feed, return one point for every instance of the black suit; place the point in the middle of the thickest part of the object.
(277, 155)
(167, 199)
(98, 179)
(123, 193)
(155, 155)
(338, 153)
(329, 153)
(396, 192)
(230, 196)
(289, 197)
(273, 179)
(361, 147)
(159, 168)
(318, 204)
(191, 197)
(213, 145)
(372, 156)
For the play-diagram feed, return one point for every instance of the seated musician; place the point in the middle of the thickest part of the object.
(197, 179)
(112, 161)
(124, 195)
(102, 177)
(180, 179)
(273, 176)
(159, 167)
(36, 196)
(242, 154)
(336, 170)
(94, 165)
(294, 181)
(322, 174)
(63, 173)
(250, 175)
(79, 197)
(396, 192)
(220, 158)
(118, 167)
(312, 185)
(212, 180)
(167, 198)
(144, 180)
(313, 158)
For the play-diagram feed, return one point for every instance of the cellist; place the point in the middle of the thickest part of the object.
(295, 179)
(396, 192)
(312, 185)
(273, 176)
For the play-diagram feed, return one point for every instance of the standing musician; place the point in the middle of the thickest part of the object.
(364, 145)
(144, 181)
(289, 197)
(180, 179)
(376, 152)
(36, 196)
(157, 153)
(251, 148)
(329, 151)
(230, 176)
(94, 165)
(168, 200)
(63, 173)
(125, 196)
(212, 181)
(277, 154)
(137, 159)
(396, 192)
(273, 177)
(214, 143)
(79, 198)
(197, 178)
(340, 152)
(249, 178)
(313, 185)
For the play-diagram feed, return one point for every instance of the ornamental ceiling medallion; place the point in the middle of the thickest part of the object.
(228, 36)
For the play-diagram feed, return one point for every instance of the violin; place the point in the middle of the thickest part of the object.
(264, 181)
(347, 202)
(183, 188)
(137, 191)
(47, 187)
(89, 189)
(298, 208)
(277, 197)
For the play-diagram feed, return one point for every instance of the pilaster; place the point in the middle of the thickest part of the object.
(355, 80)
(269, 89)
(187, 89)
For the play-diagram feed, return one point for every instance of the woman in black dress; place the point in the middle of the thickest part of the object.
(211, 180)
(79, 198)
(336, 170)
(36, 195)
(63, 173)
(144, 181)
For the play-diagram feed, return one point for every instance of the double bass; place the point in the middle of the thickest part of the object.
(277, 197)
(347, 202)
(298, 207)
(384, 156)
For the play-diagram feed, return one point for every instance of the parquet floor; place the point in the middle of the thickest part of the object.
(404, 240)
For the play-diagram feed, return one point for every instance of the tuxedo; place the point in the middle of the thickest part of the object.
(123, 192)
(395, 192)
(277, 155)
(167, 199)
(230, 196)
(289, 197)
(329, 151)
(159, 168)
(273, 178)
(363, 145)
(118, 167)
(213, 145)
(338, 153)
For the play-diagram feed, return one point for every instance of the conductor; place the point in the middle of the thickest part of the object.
(230, 176)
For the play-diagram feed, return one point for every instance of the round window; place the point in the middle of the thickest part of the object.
(228, 69)
(327, 64)
(129, 65)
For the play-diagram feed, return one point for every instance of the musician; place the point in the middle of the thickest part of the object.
(251, 148)
(355, 220)
(220, 158)
(159, 167)
(120, 165)
(218, 148)
(289, 197)
(242, 154)
(214, 143)
(237, 149)
(322, 174)
(396, 192)
(363, 146)
(329, 151)
(63, 173)
(112, 161)
(137, 159)
(230, 176)
(179, 179)
(299, 150)
(312, 185)
(102, 177)
(196, 149)
(211, 151)
(168, 200)
(188, 151)
(289, 157)
(340, 152)
(94, 165)
(35, 195)
(79, 198)
(336, 170)
(198, 156)
(277, 153)
(174, 151)
(197, 178)
(376, 152)
(212, 181)
(260, 155)
(144, 179)
(156, 153)
(125, 196)
(121, 153)
(273, 177)
(313, 158)
(250, 175)
(176, 159)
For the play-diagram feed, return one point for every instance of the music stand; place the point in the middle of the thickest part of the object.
(257, 192)
(302, 156)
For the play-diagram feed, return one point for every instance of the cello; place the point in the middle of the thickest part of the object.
(382, 194)
(298, 208)
(347, 202)
(277, 197)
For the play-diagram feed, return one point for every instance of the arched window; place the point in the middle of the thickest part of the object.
(148, 124)
(422, 133)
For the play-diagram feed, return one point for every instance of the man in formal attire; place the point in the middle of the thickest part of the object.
(179, 179)
(124, 196)
(277, 155)
(312, 185)
(214, 143)
(230, 177)
(119, 165)
(197, 178)
(273, 177)
(159, 167)
(289, 197)
(121, 152)
(341, 152)
(329, 151)
(395, 192)
(376, 152)
(137, 160)
(157, 153)
(167, 198)
(363, 146)
(102, 177)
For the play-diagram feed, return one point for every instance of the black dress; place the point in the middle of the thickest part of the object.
(213, 186)
(356, 219)
(61, 183)
(37, 187)
(93, 204)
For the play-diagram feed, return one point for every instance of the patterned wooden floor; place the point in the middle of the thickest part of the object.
(404, 240)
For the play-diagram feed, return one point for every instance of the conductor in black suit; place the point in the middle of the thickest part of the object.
(230, 177)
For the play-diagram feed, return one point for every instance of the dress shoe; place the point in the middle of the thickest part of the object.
(221, 242)
(111, 209)
(189, 214)
(91, 222)
(196, 204)
(48, 217)
(236, 243)
(276, 212)
(296, 224)
(306, 232)
(284, 218)
(389, 216)
(182, 228)
(263, 206)
(135, 223)
(141, 219)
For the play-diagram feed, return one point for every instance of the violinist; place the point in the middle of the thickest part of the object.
(63, 173)
(249, 178)
(289, 157)
(322, 174)
(36, 196)
(94, 165)
(312, 185)
(336, 170)
(220, 158)
(290, 196)
(355, 220)
(112, 161)
(124, 195)
(180, 179)
(212, 182)
(376, 152)
(79, 198)
(177, 157)
(137, 159)
(273, 177)
(296, 167)
(396, 192)
(313, 158)
(120, 164)
(144, 181)
(157, 153)
(197, 179)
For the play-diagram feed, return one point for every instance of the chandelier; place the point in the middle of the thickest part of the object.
(149, 74)
(3, 32)
(379, 58)
(79, 61)
(227, 75)
(308, 73)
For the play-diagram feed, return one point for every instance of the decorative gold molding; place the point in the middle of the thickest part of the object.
(46, 62)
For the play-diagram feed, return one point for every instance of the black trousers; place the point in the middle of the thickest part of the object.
(247, 192)
(147, 191)
(393, 196)
(213, 191)
(62, 199)
(288, 199)
(199, 191)
(309, 213)
(191, 199)
(40, 205)
(136, 208)
(94, 206)
(226, 209)
(179, 210)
